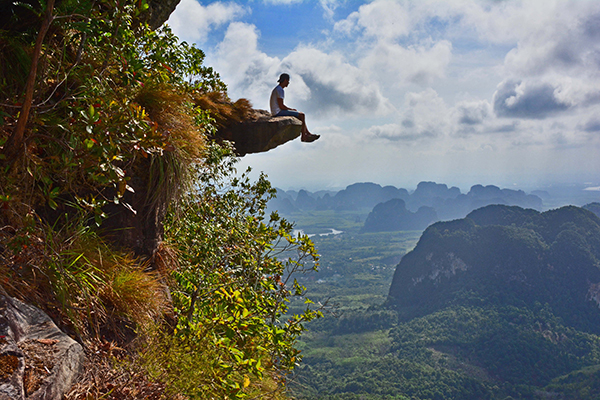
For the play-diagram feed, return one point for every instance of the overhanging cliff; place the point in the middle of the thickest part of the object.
(261, 132)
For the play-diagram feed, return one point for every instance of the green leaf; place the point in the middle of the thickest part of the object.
(52, 204)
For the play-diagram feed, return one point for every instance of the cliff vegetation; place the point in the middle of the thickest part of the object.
(124, 222)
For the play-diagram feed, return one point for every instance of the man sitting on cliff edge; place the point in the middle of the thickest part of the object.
(278, 109)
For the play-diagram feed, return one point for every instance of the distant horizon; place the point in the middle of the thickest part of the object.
(583, 186)
(560, 194)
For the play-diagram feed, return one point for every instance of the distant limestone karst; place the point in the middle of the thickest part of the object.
(440, 202)
(593, 207)
(393, 216)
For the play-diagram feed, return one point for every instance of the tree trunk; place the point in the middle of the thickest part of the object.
(15, 143)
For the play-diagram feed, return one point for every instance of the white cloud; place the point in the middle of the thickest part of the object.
(393, 64)
(388, 46)
(192, 21)
(329, 7)
(504, 22)
(279, 2)
(322, 84)
(276, 2)
(569, 42)
(384, 19)
(591, 126)
(334, 85)
(238, 58)
(543, 98)
(527, 100)
(248, 72)
(498, 22)
(473, 112)
(425, 117)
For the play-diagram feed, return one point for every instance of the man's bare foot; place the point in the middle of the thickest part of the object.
(309, 137)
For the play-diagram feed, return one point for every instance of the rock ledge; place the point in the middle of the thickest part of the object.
(261, 132)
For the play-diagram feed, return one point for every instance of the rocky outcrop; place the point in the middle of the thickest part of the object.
(142, 230)
(261, 132)
(159, 11)
(141, 227)
(37, 360)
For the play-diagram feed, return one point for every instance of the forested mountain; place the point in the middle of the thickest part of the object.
(509, 256)
(507, 301)
(502, 304)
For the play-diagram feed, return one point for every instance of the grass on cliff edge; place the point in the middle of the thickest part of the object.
(90, 289)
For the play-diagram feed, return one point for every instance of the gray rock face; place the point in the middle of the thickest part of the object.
(261, 133)
(143, 230)
(37, 360)
(159, 11)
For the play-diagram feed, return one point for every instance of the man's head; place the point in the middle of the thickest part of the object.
(284, 79)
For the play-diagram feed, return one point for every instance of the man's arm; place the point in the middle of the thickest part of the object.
(283, 106)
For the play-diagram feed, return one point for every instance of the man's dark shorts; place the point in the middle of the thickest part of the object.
(288, 113)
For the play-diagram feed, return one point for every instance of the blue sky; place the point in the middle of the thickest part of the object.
(454, 91)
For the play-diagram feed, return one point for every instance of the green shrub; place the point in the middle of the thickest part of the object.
(232, 286)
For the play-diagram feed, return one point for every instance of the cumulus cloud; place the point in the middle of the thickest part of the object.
(275, 2)
(505, 128)
(547, 37)
(501, 22)
(322, 83)
(542, 98)
(334, 84)
(247, 71)
(329, 7)
(238, 55)
(473, 112)
(592, 125)
(389, 47)
(192, 21)
(426, 116)
(385, 19)
(569, 42)
(527, 100)
(398, 65)
(391, 132)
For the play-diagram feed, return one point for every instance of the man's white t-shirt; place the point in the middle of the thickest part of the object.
(277, 93)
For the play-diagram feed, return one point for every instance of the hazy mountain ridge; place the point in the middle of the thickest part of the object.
(447, 203)
(392, 215)
(593, 207)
